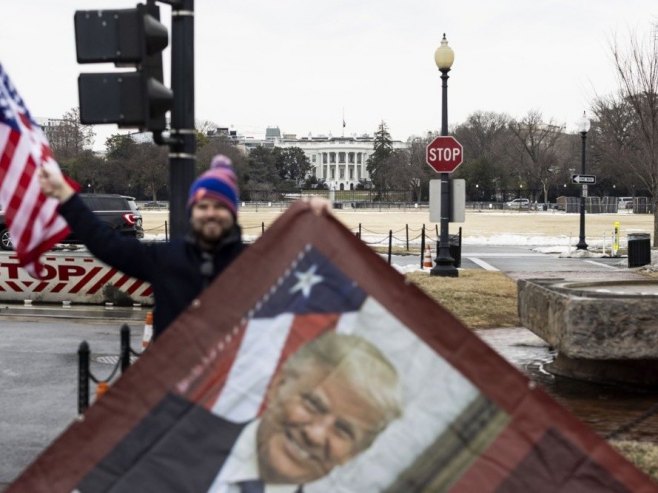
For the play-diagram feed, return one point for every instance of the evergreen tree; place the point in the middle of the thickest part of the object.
(376, 164)
(262, 172)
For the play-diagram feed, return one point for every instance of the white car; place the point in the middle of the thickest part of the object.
(625, 203)
(518, 204)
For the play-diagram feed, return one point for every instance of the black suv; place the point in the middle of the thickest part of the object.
(119, 211)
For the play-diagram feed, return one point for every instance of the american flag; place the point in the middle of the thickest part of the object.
(34, 224)
(311, 298)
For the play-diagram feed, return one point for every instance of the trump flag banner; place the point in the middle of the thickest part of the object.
(312, 365)
(34, 224)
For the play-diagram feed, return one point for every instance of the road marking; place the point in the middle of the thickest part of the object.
(482, 263)
(483, 254)
(602, 265)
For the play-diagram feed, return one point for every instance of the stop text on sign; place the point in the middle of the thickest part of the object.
(444, 154)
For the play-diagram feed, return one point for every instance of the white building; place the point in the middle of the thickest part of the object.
(339, 161)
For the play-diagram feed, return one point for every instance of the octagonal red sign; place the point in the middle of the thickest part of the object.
(444, 154)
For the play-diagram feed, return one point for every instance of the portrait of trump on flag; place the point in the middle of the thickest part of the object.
(328, 403)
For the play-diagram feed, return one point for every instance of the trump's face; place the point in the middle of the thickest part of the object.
(314, 422)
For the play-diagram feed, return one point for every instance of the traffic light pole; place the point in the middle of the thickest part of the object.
(182, 139)
(139, 99)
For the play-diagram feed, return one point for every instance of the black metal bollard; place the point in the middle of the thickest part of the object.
(422, 246)
(390, 245)
(262, 227)
(83, 377)
(166, 232)
(125, 347)
(407, 228)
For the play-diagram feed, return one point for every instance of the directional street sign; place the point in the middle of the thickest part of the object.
(583, 179)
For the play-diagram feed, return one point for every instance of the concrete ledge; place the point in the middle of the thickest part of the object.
(602, 331)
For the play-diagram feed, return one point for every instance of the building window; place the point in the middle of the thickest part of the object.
(342, 172)
(350, 158)
(332, 157)
(313, 158)
(324, 172)
(351, 173)
(333, 173)
(341, 157)
(358, 172)
(324, 158)
(358, 158)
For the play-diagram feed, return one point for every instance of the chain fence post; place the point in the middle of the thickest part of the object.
(125, 347)
(83, 377)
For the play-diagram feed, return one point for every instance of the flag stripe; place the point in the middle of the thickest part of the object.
(33, 222)
(244, 390)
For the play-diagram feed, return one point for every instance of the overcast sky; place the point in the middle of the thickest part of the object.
(301, 64)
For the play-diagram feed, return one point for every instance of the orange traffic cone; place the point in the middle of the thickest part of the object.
(148, 330)
(427, 261)
(101, 389)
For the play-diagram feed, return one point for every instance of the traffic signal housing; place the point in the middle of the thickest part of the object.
(127, 38)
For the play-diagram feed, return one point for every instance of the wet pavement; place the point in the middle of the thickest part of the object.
(607, 409)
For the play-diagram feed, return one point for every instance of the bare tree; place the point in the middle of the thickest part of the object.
(488, 156)
(614, 150)
(637, 75)
(67, 136)
(485, 135)
(538, 157)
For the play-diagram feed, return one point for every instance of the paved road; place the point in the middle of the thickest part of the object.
(524, 259)
(38, 375)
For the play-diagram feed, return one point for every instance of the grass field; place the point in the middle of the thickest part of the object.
(477, 223)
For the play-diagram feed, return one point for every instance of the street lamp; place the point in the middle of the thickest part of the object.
(444, 56)
(583, 128)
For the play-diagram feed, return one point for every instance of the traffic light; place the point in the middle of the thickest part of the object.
(126, 37)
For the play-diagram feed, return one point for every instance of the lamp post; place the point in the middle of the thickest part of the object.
(583, 128)
(444, 56)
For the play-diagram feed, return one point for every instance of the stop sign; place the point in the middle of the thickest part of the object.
(444, 154)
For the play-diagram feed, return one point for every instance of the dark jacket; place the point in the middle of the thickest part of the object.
(178, 447)
(177, 271)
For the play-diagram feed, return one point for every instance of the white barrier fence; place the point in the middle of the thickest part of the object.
(78, 278)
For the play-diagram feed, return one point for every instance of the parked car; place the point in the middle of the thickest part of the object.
(119, 211)
(5, 240)
(518, 204)
(625, 203)
(155, 205)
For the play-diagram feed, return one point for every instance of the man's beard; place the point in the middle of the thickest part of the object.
(212, 235)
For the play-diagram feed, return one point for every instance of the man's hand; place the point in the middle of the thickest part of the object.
(319, 205)
(54, 185)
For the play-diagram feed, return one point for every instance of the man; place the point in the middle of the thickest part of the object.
(329, 402)
(179, 270)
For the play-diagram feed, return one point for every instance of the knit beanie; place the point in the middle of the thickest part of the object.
(219, 183)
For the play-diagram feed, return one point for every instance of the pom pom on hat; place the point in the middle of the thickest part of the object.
(219, 183)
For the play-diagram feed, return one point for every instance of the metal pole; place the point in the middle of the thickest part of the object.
(390, 245)
(83, 377)
(125, 347)
(444, 262)
(582, 245)
(422, 246)
(182, 150)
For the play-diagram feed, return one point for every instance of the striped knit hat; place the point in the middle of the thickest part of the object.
(219, 183)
